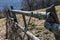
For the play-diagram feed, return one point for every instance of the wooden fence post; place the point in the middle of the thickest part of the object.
(7, 24)
(11, 29)
(53, 18)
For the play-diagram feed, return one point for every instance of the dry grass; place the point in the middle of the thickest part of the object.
(35, 26)
(58, 8)
(2, 29)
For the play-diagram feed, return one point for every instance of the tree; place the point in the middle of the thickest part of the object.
(30, 5)
(4, 10)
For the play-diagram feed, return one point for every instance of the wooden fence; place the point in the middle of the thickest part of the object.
(12, 24)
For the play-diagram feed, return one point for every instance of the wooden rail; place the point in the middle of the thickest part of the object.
(40, 15)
